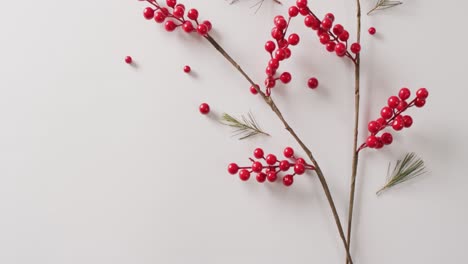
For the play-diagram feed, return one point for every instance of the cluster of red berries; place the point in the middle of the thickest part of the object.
(273, 166)
(392, 116)
(174, 16)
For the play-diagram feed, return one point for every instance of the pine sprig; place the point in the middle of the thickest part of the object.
(245, 126)
(409, 167)
(258, 4)
(384, 4)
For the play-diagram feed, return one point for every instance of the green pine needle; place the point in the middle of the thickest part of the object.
(245, 126)
(410, 167)
(384, 4)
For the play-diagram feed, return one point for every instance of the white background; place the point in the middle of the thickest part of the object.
(101, 162)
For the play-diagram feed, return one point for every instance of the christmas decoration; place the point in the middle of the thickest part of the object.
(245, 127)
(384, 4)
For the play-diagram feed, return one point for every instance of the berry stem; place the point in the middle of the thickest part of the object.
(268, 100)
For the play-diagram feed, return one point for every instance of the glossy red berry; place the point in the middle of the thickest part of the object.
(284, 165)
(204, 108)
(312, 22)
(327, 24)
(192, 14)
(338, 29)
(282, 43)
(371, 141)
(398, 124)
(270, 71)
(288, 152)
(128, 60)
(202, 29)
(330, 46)
(344, 36)
(261, 177)
(270, 159)
(280, 54)
(187, 69)
(244, 175)
(257, 167)
(387, 138)
(233, 168)
(159, 17)
(304, 11)
(382, 122)
(324, 38)
(355, 48)
(171, 3)
(187, 26)
(300, 161)
(274, 63)
(386, 112)
(393, 101)
(287, 53)
(276, 33)
(280, 22)
(293, 11)
(272, 176)
(372, 30)
(402, 105)
(270, 46)
(148, 13)
(285, 77)
(178, 11)
(379, 144)
(288, 180)
(340, 49)
(270, 82)
(422, 93)
(408, 121)
(330, 16)
(258, 153)
(419, 102)
(404, 93)
(293, 39)
(301, 3)
(208, 24)
(253, 90)
(170, 25)
(312, 83)
(373, 127)
(299, 169)
(180, 6)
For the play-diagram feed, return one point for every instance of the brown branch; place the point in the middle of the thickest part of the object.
(278, 113)
(357, 74)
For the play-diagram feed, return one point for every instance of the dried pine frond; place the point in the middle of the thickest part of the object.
(406, 169)
(384, 4)
(245, 126)
(258, 4)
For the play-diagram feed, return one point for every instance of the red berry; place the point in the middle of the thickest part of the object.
(404, 93)
(276, 33)
(274, 63)
(257, 166)
(272, 176)
(204, 108)
(282, 43)
(331, 46)
(340, 49)
(187, 26)
(402, 105)
(330, 16)
(382, 122)
(387, 138)
(288, 180)
(372, 30)
(244, 175)
(299, 168)
(312, 22)
(419, 102)
(293, 39)
(293, 11)
(287, 53)
(192, 14)
(284, 165)
(270, 46)
(253, 89)
(258, 153)
(164, 11)
(202, 29)
(270, 159)
(178, 11)
(233, 168)
(187, 69)
(407, 120)
(261, 177)
(280, 54)
(324, 38)
(379, 144)
(301, 3)
(288, 152)
(159, 17)
(371, 141)
(398, 124)
(285, 77)
(386, 112)
(355, 48)
(338, 29)
(422, 93)
(148, 13)
(128, 60)
(181, 6)
(171, 3)
(373, 127)
(280, 22)
(344, 36)
(208, 24)
(327, 24)
(304, 11)
(270, 82)
(270, 71)
(313, 83)
(170, 25)
(300, 161)
(393, 101)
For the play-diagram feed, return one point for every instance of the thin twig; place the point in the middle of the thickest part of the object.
(246, 126)
(384, 4)
(268, 100)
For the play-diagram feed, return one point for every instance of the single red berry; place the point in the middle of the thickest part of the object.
(187, 26)
(355, 48)
(274, 63)
(128, 60)
(270, 159)
(280, 54)
(192, 14)
(330, 46)
(300, 161)
(382, 122)
(312, 22)
(344, 36)
(293, 11)
(233, 168)
(270, 82)
(258, 153)
(261, 177)
(327, 24)
(398, 124)
(164, 10)
(387, 138)
(187, 69)
(419, 102)
(253, 89)
(393, 101)
(148, 13)
(371, 141)
(386, 112)
(404, 93)
(422, 93)
(407, 120)
(284, 165)
(272, 176)
(204, 108)
(178, 11)
(373, 127)
(379, 144)
(180, 6)
(244, 175)
(330, 16)
(340, 49)
(338, 29)
(170, 25)
(276, 33)
(270, 46)
(257, 166)
(288, 152)
(270, 71)
(159, 17)
(372, 30)
(324, 38)
(402, 105)
(288, 180)
(293, 39)
(304, 11)
(202, 29)
(208, 24)
(287, 53)
(282, 43)
(285, 77)
(299, 169)
(312, 83)
(171, 3)
(280, 22)
(301, 3)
